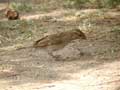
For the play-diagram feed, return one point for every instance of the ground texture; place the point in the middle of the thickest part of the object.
(80, 65)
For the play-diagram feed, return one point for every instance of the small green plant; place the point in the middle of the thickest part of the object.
(111, 3)
(116, 30)
(94, 3)
(77, 3)
(21, 6)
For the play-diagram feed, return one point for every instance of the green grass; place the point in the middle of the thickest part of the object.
(94, 3)
(24, 7)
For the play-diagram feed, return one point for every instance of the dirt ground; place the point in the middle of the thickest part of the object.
(80, 65)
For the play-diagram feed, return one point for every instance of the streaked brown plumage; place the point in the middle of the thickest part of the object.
(60, 38)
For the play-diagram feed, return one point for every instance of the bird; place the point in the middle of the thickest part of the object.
(12, 14)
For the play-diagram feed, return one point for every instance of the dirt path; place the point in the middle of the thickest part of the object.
(80, 65)
(36, 69)
(28, 73)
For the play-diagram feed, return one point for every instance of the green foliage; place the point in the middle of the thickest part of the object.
(21, 7)
(94, 3)
(20, 26)
(76, 3)
(116, 30)
(111, 3)
(17, 30)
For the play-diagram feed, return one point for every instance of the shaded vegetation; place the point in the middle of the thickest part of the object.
(24, 7)
(94, 3)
